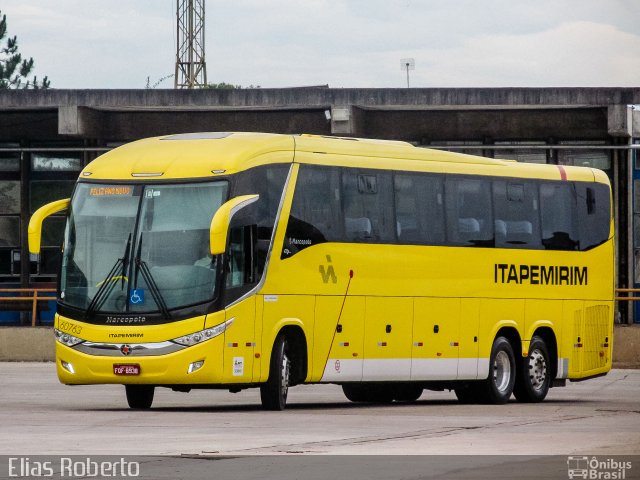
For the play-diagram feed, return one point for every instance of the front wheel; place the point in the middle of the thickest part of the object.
(140, 397)
(497, 389)
(273, 393)
(533, 379)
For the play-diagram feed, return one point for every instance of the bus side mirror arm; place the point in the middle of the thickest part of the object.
(39, 216)
(220, 222)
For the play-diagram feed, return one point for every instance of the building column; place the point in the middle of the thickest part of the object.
(346, 120)
(25, 215)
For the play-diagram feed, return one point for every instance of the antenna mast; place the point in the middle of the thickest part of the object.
(191, 68)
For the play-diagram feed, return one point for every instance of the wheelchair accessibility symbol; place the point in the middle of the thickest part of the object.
(136, 297)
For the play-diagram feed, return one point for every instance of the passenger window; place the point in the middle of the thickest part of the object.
(516, 213)
(240, 258)
(419, 204)
(594, 214)
(557, 204)
(315, 214)
(468, 207)
(268, 182)
(367, 203)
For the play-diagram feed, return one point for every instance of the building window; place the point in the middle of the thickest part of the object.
(470, 151)
(9, 231)
(582, 157)
(521, 153)
(54, 162)
(9, 197)
(47, 191)
(9, 161)
(41, 193)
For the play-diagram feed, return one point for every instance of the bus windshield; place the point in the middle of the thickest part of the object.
(140, 248)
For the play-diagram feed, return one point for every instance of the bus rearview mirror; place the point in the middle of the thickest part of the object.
(39, 216)
(220, 222)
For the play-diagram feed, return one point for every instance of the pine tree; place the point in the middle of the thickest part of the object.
(14, 70)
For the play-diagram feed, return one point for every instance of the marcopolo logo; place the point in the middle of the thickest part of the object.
(594, 468)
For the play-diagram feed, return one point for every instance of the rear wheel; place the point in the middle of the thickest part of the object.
(467, 393)
(273, 393)
(407, 392)
(533, 379)
(497, 389)
(140, 397)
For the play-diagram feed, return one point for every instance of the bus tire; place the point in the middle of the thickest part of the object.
(407, 392)
(467, 393)
(497, 389)
(369, 393)
(355, 392)
(273, 393)
(140, 397)
(533, 378)
(379, 393)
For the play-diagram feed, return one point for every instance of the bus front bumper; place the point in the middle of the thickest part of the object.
(198, 364)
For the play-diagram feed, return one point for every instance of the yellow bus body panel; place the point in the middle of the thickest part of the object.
(367, 311)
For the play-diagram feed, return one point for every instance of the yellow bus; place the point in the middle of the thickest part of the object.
(238, 260)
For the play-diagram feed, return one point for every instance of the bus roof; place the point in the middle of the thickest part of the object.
(211, 154)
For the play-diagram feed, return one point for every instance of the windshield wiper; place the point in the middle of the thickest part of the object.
(141, 267)
(107, 285)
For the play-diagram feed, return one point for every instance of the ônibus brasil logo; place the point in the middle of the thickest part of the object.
(596, 468)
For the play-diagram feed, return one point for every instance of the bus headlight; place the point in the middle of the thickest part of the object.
(203, 335)
(66, 339)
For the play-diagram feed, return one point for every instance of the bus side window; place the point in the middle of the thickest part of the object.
(419, 209)
(557, 207)
(367, 204)
(241, 262)
(469, 217)
(268, 182)
(594, 214)
(516, 214)
(315, 213)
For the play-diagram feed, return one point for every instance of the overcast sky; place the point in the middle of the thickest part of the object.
(355, 43)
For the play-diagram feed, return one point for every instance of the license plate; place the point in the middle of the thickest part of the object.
(128, 369)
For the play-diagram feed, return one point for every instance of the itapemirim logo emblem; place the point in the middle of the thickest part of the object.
(329, 273)
(595, 468)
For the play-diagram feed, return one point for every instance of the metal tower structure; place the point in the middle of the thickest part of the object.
(191, 68)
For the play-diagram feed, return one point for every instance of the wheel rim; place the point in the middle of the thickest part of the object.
(284, 375)
(537, 370)
(502, 371)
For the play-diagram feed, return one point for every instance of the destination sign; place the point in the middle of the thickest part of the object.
(114, 191)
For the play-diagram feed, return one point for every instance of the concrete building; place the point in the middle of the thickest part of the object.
(46, 137)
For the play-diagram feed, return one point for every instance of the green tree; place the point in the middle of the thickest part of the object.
(14, 70)
(223, 86)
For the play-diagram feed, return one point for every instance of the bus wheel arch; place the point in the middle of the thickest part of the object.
(287, 367)
(298, 352)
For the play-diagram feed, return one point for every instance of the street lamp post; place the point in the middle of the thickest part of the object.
(407, 64)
